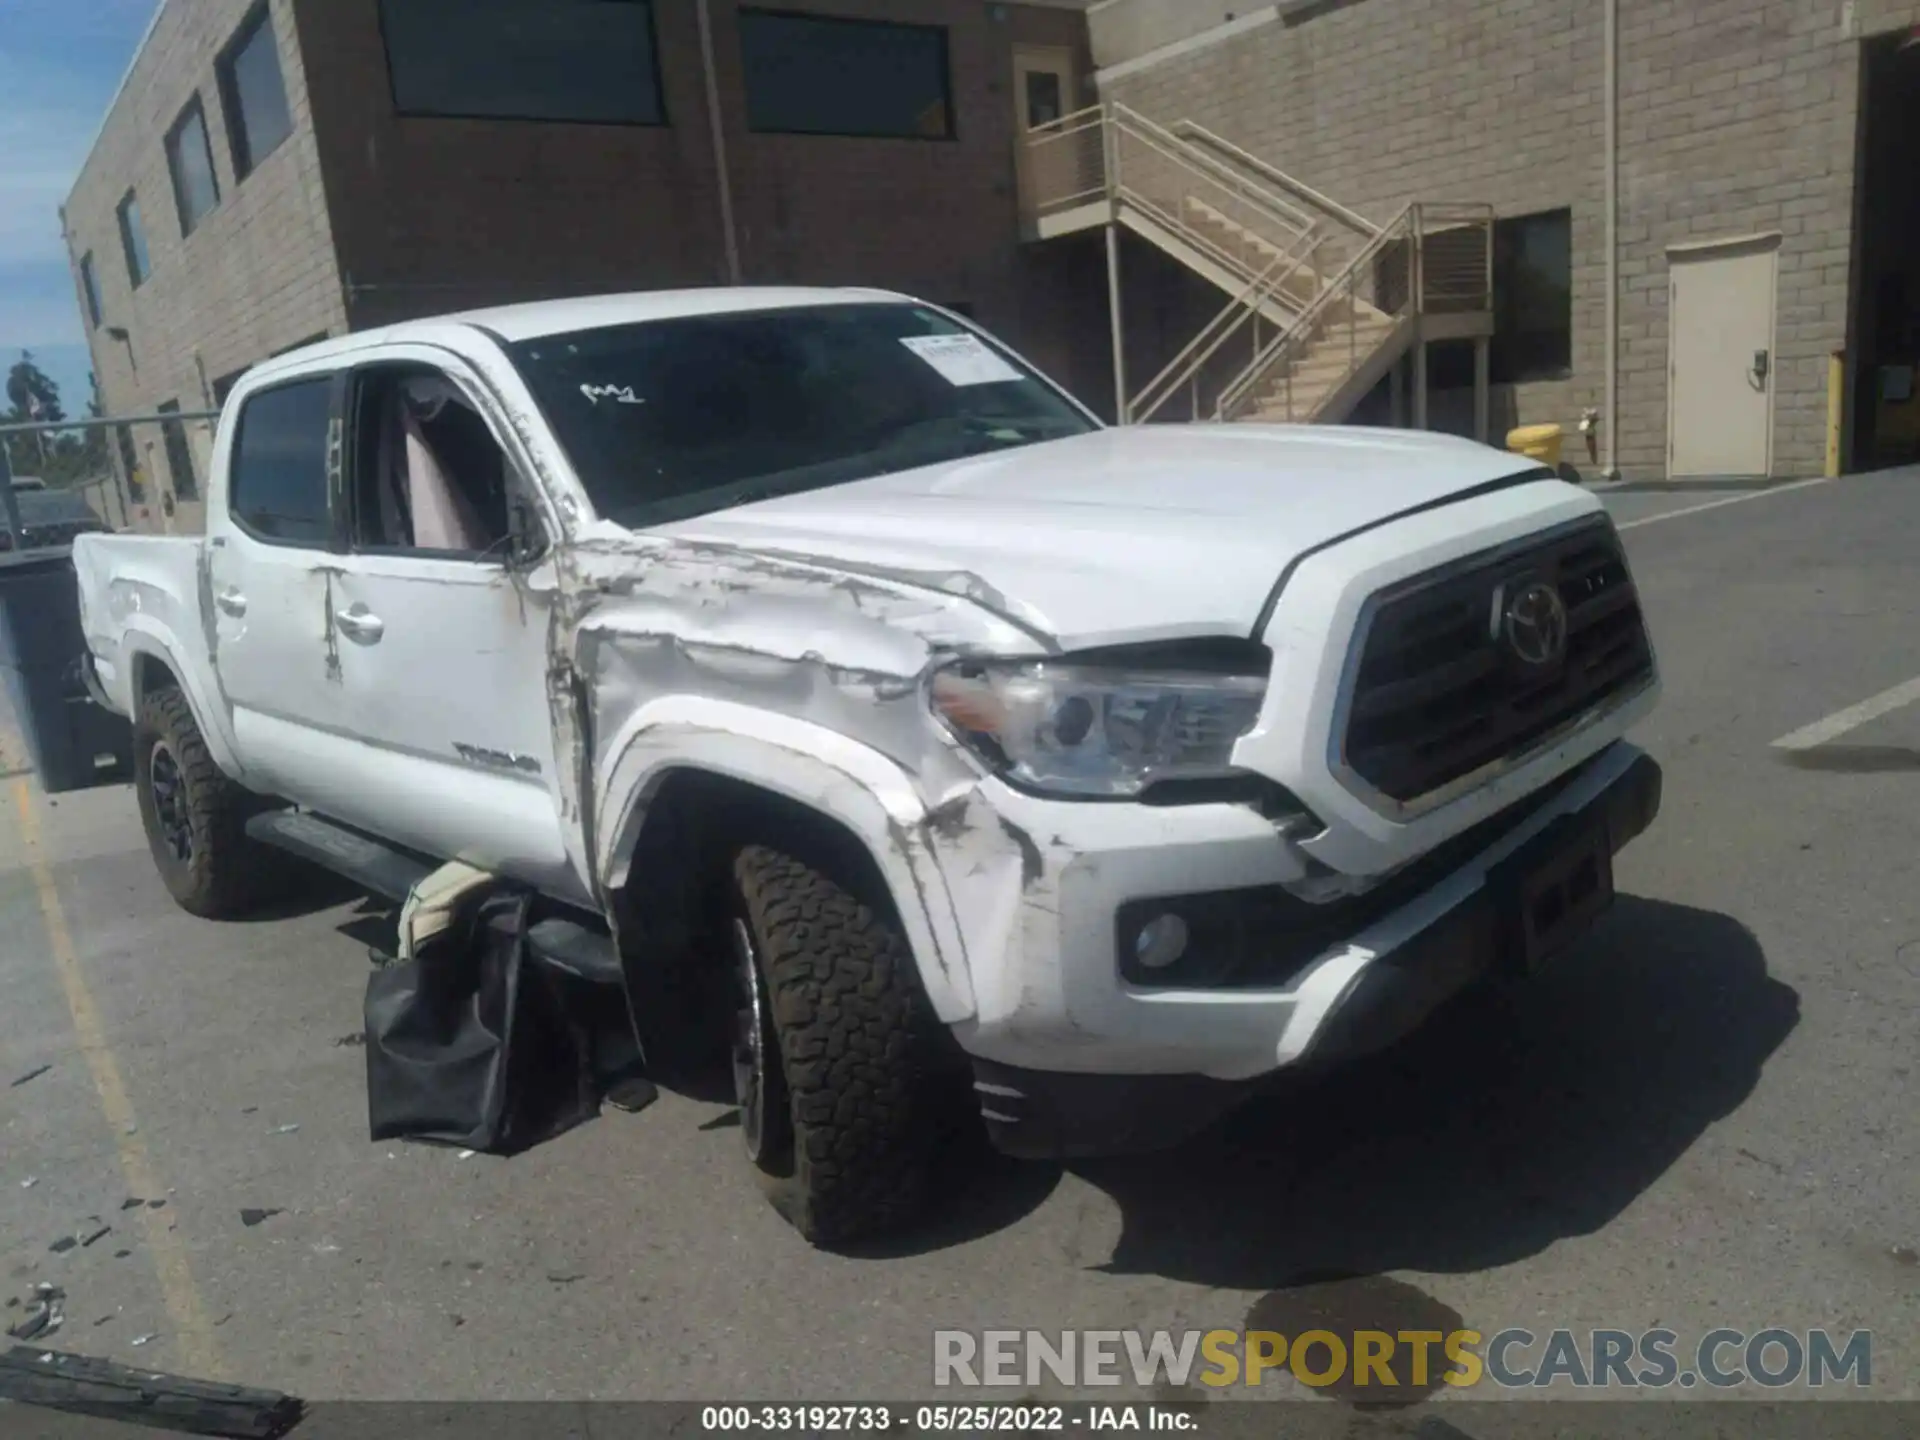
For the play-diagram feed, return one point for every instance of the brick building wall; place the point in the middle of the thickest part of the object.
(434, 214)
(1737, 118)
(256, 275)
(362, 216)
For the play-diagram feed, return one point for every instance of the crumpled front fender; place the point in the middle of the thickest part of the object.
(839, 778)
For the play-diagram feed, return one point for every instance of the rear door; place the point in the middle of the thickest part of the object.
(271, 568)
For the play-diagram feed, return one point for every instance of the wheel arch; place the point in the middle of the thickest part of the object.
(153, 665)
(681, 747)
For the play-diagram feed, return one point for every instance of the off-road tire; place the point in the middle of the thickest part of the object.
(855, 1040)
(226, 874)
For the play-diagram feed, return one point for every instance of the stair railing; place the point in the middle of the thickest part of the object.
(1267, 204)
(1066, 162)
(1112, 153)
(1197, 134)
(1282, 355)
(1243, 310)
(1275, 236)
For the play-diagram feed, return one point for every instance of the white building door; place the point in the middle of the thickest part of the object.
(1720, 359)
(1045, 89)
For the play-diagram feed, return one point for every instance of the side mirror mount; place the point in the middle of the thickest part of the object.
(527, 536)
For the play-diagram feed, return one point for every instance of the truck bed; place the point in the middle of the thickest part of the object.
(141, 594)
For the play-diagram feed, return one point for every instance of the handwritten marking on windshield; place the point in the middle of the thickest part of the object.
(622, 393)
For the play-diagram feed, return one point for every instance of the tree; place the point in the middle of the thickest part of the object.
(93, 440)
(32, 392)
(61, 459)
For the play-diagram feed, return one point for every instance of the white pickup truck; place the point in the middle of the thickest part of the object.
(811, 647)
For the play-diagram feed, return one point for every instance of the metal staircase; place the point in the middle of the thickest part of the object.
(1323, 302)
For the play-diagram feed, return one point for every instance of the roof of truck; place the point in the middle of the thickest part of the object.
(514, 323)
(589, 312)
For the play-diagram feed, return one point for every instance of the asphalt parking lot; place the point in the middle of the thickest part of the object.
(1701, 1117)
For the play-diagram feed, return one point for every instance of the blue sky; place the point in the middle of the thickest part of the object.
(60, 61)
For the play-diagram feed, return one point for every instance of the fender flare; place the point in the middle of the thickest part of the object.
(144, 638)
(828, 773)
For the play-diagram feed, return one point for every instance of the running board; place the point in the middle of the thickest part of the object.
(368, 863)
(579, 949)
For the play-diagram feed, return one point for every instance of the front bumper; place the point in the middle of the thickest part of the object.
(1152, 1067)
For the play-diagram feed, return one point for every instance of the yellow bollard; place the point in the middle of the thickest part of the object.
(1836, 409)
(1537, 442)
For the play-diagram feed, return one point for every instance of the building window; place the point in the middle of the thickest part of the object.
(1045, 103)
(223, 387)
(130, 463)
(133, 240)
(190, 162)
(253, 93)
(808, 75)
(301, 344)
(279, 468)
(590, 62)
(90, 286)
(1533, 297)
(173, 433)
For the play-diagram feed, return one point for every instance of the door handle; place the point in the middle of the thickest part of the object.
(360, 624)
(231, 601)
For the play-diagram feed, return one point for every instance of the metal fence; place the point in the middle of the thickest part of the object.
(142, 473)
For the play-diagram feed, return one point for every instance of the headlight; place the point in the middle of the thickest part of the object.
(1096, 731)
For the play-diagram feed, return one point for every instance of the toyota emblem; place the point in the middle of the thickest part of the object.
(1533, 622)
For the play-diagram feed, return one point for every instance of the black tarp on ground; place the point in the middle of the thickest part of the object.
(477, 1041)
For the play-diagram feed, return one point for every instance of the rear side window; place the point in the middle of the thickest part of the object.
(279, 487)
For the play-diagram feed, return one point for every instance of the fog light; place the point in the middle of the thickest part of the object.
(1161, 942)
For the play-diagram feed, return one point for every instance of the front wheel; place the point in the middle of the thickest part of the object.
(831, 1050)
(195, 817)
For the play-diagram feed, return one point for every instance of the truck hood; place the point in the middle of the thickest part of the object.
(1121, 535)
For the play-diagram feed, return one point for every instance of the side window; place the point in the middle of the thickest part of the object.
(279, 471)
(428, 475)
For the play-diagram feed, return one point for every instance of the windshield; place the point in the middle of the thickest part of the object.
(674, 418)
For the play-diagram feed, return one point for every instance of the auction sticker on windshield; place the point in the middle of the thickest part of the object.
(961, 359)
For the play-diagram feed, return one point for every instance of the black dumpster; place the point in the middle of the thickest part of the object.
(72, 742)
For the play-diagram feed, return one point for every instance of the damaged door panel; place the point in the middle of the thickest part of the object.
(443, 611)
(789, 676)
(454, 741)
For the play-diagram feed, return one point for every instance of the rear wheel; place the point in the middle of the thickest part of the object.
(195, 817)
(832, 1042)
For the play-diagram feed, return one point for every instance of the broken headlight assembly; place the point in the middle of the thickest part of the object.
(1096, 731)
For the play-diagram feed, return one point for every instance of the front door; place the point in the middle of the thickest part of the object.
(1045, 89)
(1720, 347)
(441, 635)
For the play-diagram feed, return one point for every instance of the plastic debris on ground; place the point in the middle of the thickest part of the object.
(86, 1386)
(45, 1313)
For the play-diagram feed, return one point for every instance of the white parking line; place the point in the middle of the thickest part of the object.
(1722, 503)
(1851, 718)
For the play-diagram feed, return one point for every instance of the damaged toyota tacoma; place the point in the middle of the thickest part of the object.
(890, 719)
